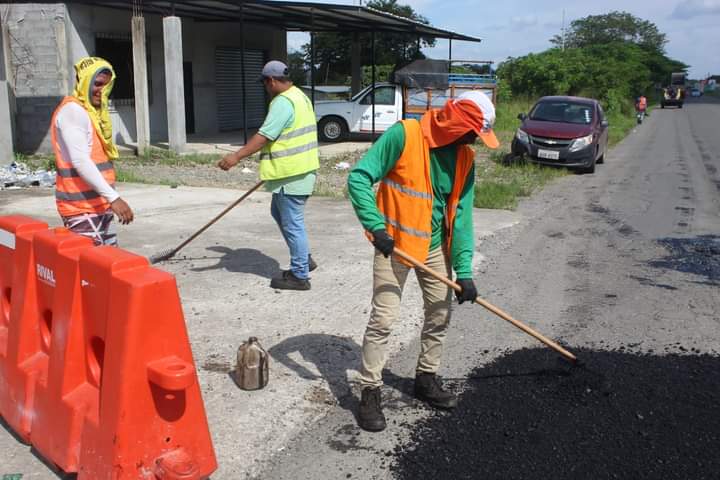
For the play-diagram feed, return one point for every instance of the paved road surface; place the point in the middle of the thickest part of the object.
(616, 258)
(626, 258)
(223, 278)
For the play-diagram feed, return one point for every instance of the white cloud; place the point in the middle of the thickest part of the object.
(695, 8)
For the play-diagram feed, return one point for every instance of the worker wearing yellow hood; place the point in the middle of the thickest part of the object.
(81, 132)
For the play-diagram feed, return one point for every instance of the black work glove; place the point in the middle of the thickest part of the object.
(468, 293)
(383, 242)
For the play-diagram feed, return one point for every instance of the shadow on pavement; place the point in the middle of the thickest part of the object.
(530, 415)
(243, 260)
(334, 357)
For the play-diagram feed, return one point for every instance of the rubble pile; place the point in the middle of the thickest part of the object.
(18, 175)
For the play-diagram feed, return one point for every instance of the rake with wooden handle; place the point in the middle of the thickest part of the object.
(167, 254)
(489, 306)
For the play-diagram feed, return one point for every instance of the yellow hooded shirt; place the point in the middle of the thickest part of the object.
(86, 70)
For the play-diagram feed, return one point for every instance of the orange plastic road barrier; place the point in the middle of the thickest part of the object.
(150, 418)
(20, 364)
(96, 370)
(56, 419)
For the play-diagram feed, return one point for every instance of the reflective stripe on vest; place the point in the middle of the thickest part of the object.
(71, 172)
(289, 152)
(295, 151)
(298, 132)
(406, 201)
(73, 195)
(406, 190)
(403, 228)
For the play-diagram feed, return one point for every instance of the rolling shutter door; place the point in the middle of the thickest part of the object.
(229, 88)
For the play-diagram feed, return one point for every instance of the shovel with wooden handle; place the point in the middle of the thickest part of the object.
(489, 306)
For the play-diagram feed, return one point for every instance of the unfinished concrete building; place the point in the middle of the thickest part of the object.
(184, 68)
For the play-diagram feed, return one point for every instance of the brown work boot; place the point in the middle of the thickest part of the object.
(370, 414)
(429, 389)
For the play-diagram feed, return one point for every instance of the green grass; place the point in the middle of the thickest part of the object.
(507, 111)
(501, 186)
(37, 162)
(128, 176)
(157, 156)
(620, 125)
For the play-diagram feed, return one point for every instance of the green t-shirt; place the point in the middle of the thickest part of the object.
(377, 163)
(281, 116)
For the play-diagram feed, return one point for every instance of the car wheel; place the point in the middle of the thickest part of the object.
(332, 129)
(601, 159)
(662, 105)
(588, 169)
(680, 106)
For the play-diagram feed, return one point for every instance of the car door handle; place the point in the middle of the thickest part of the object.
(390, 111)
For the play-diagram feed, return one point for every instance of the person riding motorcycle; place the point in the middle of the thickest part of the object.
(640, 108)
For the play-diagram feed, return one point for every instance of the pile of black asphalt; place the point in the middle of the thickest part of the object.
(529, 415)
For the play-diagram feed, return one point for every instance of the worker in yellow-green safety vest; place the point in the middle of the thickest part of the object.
(289, 158)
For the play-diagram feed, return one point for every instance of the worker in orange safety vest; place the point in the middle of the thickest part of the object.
(81, 133)
(423, 205)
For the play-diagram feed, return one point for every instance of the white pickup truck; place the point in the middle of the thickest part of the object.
(337, 119)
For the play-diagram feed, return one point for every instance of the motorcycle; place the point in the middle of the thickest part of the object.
(640, 116)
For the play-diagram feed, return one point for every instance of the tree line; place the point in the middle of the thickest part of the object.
(612, 57)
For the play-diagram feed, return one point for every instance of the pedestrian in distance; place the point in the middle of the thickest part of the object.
(82, 139)
(423, 206)
(287, 142)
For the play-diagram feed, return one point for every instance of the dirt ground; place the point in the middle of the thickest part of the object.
(331, 176)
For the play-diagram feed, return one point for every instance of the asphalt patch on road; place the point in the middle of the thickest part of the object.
(697, 255)
(621, 415)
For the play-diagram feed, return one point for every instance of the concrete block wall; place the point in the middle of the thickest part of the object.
(37, 69)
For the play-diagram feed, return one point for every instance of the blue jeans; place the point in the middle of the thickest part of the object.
(289, 213)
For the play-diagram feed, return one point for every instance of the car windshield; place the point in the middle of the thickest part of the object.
(563, 111)
(359, 94)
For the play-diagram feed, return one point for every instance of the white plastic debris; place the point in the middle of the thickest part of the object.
(342, 166)
(18, 175)
(246, 170)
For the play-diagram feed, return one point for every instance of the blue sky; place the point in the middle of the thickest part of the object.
(518, 27)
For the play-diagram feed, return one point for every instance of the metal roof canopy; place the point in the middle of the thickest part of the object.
(292, 16)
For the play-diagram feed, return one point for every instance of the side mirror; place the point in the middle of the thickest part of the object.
(521, 117)
(605, 123)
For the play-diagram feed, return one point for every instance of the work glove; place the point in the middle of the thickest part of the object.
(468, 293)
(383, 242)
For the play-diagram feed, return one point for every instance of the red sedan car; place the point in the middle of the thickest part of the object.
(569, 132)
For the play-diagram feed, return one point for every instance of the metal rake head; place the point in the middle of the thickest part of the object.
(161, 256)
